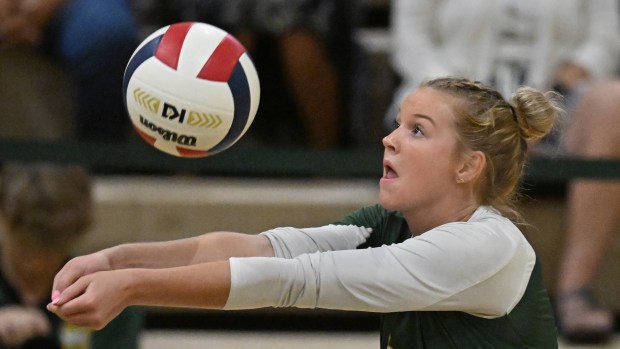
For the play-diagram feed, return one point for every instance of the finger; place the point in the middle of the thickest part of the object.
(83, 318)
(73, 300)
(83, 310)
(55, 296)
(66, 311)
(71, 292)
(65, 277)
(53, 308)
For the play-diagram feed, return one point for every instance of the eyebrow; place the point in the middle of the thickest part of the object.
(418, 115)
(422, 116)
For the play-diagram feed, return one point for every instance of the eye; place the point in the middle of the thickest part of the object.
(417, 131)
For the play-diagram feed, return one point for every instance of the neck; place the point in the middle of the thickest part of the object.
(424, 220)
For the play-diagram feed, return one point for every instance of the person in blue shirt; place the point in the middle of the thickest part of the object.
(93, 41)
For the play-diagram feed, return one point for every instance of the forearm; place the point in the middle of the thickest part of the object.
(151, 254)
(216, 246)
(205, 285)
(95, 299)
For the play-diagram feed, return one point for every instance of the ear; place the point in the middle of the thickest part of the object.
(472, 167)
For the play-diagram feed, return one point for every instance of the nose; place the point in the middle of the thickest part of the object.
(388, 141)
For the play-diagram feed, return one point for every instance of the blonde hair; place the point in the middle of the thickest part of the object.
(46, 204)
(500, 129)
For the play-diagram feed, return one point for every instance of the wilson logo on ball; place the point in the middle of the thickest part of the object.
(169, 135)
(195, 81)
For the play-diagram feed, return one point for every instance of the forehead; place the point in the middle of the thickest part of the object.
(437, 105)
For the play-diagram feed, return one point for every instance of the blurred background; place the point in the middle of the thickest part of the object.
(312, 154)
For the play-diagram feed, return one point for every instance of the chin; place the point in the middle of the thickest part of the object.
(386, 201)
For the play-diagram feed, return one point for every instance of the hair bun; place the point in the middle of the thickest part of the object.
(536, 112)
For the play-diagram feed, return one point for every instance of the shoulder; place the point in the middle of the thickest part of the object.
(491, 253)
(486, 222)
(487, 237)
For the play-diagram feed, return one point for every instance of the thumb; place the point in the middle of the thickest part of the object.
(73, 291)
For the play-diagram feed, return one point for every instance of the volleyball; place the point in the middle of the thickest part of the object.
(191, 89)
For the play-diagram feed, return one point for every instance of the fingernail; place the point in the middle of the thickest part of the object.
(55, 297)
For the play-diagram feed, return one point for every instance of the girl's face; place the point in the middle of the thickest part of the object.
(421, 156)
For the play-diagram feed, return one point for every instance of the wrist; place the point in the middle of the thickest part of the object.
(145, 287)
(116, 257)
(131, 286)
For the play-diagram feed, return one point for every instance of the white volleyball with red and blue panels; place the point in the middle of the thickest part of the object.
(191, 89)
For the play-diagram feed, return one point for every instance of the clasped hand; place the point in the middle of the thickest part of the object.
(88, 293)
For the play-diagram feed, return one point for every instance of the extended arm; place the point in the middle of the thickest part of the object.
(155, 255)
(479, 269)
(190, 272)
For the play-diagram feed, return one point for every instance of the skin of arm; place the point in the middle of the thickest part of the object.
(95, 299)
(151, 273)
(209, 247)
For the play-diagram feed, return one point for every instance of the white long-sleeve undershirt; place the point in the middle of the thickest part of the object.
(481, 267)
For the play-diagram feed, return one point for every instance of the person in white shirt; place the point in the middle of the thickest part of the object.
(441, 258)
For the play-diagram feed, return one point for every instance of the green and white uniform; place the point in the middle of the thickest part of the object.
(473, 284)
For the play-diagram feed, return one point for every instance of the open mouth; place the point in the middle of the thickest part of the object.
(389, 172)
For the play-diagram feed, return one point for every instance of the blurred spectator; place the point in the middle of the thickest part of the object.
(93, 40)
(44, 210)
(568, 45)
(592, 215)
(548, 44)
(303, 51)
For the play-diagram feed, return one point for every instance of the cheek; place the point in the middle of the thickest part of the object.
(437, 167)
(438, 158)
